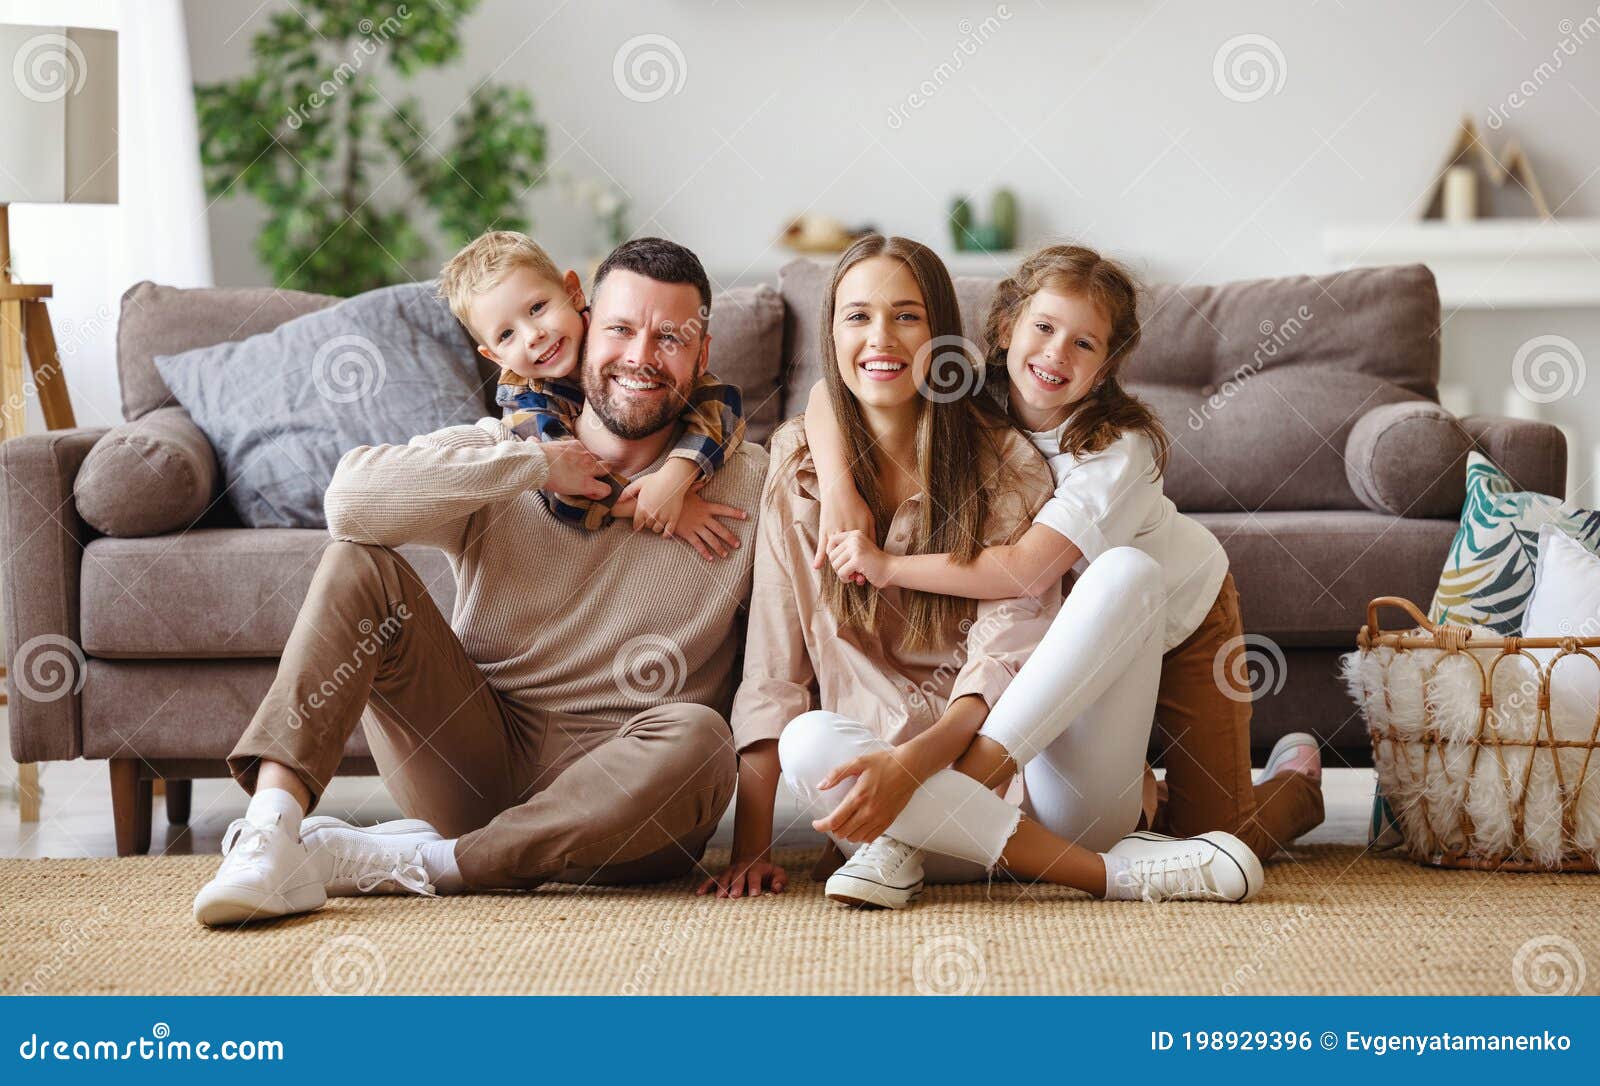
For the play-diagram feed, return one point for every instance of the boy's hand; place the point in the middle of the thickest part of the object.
(699, 527)
(843, 510)
(856, 557)
(574, 469)
(659, 496)
(747, 878)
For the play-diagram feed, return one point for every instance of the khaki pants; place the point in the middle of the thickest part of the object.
(532, 796)
(1206, 744)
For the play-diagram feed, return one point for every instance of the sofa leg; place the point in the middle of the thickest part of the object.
(28, 791)
(179, 794)
(131, 804)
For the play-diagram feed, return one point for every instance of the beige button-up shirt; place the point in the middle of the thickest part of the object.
(798, 658)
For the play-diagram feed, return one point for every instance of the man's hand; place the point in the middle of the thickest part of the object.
(884, 785)
(574, 470)
(659, 497)
(843, 510)
(747, 878)
(699, 527)
(856, 557)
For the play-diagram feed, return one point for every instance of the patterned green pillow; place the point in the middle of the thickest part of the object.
(1488, 576)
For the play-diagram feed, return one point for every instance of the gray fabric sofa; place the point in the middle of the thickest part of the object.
(1306, 436)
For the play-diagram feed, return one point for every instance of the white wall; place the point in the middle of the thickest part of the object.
(1104, 117)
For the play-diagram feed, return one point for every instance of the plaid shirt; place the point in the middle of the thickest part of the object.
(548, 411)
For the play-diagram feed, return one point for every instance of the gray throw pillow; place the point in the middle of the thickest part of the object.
(282, 407)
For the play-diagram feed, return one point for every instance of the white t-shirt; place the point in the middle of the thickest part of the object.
(1113, 498)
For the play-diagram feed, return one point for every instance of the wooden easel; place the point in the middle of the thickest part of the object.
(25, 328)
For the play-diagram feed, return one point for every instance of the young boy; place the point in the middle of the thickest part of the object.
(530, 320)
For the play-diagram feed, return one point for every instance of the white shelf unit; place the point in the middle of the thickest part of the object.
(1492, 264)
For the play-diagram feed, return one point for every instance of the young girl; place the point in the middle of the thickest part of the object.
(895, 749)
(1060, 330)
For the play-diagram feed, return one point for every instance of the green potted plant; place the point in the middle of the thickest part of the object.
(308, 131)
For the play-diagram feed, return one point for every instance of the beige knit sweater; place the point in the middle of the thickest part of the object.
(603, 623)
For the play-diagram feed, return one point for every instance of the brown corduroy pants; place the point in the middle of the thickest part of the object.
(1205, 730)
(531, 796)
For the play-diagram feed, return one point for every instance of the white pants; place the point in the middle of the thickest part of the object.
(1076, 719)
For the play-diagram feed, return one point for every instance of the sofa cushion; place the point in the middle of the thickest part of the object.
(282, 407)
(747, 351)
(1305, 578)
(1273, 371)
(184, 709)
(1408, 460)
(159, 320)
(212, 592)
(1489, 570)
(152, 475)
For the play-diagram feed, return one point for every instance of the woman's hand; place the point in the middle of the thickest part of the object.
(856, 557)
(884, 785)
(843, 510)
(747, 878)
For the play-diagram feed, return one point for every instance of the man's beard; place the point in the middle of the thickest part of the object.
(626, 417)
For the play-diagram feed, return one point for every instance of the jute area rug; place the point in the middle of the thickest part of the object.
(1332, 920)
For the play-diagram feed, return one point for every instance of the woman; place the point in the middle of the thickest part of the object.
(896, 755)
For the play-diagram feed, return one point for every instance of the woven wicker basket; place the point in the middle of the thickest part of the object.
(1399, 755)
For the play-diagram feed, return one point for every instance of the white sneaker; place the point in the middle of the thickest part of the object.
(885, 874)
(1297, 751)
(1215, 866)
(381, 859)
(265, 873)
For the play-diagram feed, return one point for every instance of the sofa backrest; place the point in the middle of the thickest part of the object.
(746, 340)
(1257, 382)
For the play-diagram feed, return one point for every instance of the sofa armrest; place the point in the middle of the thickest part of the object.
(1534, 454)
(152, 476)
(44, 541)
(1408, 459)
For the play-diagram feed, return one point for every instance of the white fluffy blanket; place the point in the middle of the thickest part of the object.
(1431, 786)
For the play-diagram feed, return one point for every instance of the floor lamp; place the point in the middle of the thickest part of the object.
(58, 145)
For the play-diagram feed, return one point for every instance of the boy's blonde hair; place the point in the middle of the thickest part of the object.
(484, 261)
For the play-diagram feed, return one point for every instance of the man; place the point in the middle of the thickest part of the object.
(563, 726)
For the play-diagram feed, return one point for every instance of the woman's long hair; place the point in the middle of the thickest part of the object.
(1108, 410)
(958, 450)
